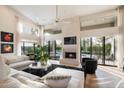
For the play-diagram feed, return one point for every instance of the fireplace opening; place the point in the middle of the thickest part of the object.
(70, 55)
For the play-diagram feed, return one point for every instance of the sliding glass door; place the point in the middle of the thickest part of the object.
(97, 49)
(101, 48)
(110, 50)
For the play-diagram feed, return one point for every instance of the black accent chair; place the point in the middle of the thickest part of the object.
(89, 65)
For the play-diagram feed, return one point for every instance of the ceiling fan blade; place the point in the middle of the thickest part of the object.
(52, 25)
(57, 21)
(64, 22)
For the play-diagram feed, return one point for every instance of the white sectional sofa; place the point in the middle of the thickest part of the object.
(17, 62)
(77, 77)
(12, 78)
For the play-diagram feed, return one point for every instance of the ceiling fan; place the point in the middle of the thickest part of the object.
(57, 20)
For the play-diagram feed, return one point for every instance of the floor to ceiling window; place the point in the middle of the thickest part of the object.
(101, 48)
(54, 49)
(110, 50)
(53, 44)
(86, 47)
(58, 49)
(27, 48)
(97, 49)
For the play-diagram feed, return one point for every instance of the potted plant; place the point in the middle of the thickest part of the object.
(41, 55)
(44, 59)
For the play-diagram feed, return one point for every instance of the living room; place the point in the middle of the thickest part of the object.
(40, 49)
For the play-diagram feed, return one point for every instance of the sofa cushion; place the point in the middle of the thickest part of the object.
(59, 81)
(77, 77)
(20, 64)
(30, 82)
(4, 70)
(28, 75)
(12, 83)
(14, 59)
(25, 57)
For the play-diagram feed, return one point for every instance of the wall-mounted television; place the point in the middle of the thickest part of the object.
(6, 37)
(70, 40)
(6, 48)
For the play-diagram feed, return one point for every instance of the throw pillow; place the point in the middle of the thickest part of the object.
(60, 81)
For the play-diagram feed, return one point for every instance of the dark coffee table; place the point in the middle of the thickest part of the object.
(41, 71)
(38, 69)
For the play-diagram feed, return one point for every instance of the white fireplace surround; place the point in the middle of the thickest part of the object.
(70, 49)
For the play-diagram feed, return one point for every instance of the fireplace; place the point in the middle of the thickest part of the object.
(70, 55)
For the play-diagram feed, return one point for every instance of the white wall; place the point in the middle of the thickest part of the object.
(9, 23)
(100, 32)
(53, 37)
(120, 39)
(72, 29)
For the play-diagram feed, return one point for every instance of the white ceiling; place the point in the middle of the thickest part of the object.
(45, 14)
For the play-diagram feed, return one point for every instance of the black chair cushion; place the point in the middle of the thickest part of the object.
(89, 65)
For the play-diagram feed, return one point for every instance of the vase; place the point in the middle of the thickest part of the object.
(43, 63)
(34, 64)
